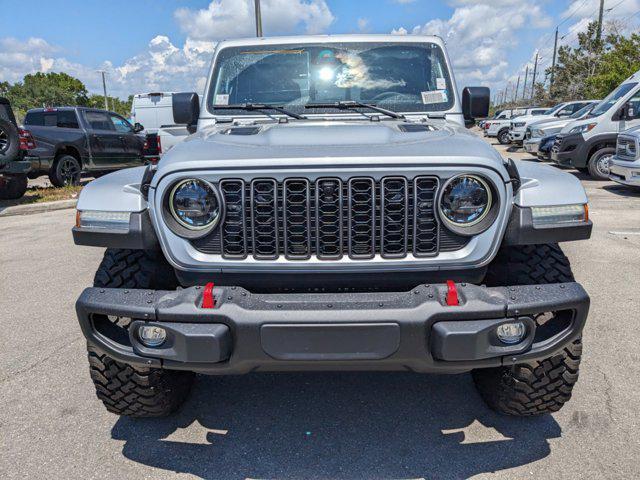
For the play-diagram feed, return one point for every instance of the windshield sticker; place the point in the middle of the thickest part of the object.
(222, 99)
(436, 96)
(441, 83)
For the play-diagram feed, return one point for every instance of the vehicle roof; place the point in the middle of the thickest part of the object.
(56, 109)
(143, 95)
(298, 39)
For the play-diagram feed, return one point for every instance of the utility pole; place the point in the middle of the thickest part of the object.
(600, 15)
(258, 19)
(533, 83)
(515, 95)
(104, 89)
(526, 76)
(553, 64)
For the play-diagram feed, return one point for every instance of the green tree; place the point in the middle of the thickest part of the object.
(123, 107)
(620, 60)
(47, 90)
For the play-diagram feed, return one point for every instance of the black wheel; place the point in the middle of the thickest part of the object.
(125, 389)
(598, 165)
(13, 187)
(538, 387)
(66, 170)
(503, 137)
(9, 140)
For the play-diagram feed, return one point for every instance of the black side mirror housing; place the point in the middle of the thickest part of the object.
(475, 102)
(137, 128)
(186, 109)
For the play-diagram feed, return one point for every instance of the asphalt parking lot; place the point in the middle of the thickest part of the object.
(322, 425)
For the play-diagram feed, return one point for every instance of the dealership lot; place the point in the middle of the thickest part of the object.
(323, 425)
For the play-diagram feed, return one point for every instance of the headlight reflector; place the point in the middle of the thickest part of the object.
(559, 215)
(583, 128)
(465, 200)
(195, 204)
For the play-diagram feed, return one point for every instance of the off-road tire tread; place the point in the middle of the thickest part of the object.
(126, 389)
(15, 187)
(538, 387)
(137, 391)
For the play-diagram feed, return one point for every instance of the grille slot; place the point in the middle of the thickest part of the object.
(297, 222)
(394, 218)
(264, 219)
(330, 218)
(425, 222)
(362, 218)
(234, 238)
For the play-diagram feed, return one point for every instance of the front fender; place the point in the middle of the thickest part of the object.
(116, 192)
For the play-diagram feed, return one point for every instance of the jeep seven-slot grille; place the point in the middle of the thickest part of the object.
(329, 218)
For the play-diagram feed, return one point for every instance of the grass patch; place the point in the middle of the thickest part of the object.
(44, 194)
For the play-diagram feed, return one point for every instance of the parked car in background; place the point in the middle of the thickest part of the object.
(589, 144)
(547, 126)
(72, 140)
(155, 112)
(15, 144)
(519, 125)
(499, 128)
(544, 148)
(624, 167)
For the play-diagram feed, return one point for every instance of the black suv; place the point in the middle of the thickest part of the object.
(14, 146)
(73, 140)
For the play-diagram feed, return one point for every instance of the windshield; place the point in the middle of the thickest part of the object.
(403, 77)
(553, 110)
(612, 98)
(583, 111)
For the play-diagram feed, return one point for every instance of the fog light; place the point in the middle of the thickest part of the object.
(511, 333)
(152, 336)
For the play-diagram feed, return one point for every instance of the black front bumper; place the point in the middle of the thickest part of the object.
(569, 150)
(415, 330)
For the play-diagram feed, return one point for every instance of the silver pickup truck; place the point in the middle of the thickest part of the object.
(332, 212)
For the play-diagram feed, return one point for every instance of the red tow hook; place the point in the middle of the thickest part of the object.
(207, 296)
(452, 294)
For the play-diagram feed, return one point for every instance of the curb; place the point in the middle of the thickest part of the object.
(37, 208)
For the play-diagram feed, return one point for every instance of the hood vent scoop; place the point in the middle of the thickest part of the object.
(416, 127)
(243, 131)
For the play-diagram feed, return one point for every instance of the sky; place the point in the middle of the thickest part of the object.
(166, 45)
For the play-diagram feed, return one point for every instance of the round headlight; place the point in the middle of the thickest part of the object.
(465, 201)
(195, 204)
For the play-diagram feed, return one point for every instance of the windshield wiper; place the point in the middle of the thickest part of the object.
(351, 104)
(260, 106)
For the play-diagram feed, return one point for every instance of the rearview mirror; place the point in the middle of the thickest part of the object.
(475, 102)
(186, 109)
(137, 127)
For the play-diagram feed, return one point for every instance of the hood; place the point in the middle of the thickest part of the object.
(551, 122)
(532, 118)
(326, 142)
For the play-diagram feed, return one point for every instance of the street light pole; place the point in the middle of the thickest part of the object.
(258, 19)
(104, 89)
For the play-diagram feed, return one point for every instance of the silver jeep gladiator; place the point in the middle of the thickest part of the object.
(330, 211)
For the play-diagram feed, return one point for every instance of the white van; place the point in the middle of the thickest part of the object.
(154, 111)
(589, 144)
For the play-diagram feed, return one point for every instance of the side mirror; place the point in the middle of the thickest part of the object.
(137, 128)
(475, 102)
(186, 109)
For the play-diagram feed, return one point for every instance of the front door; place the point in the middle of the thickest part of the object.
(132, 144)
(105, 142)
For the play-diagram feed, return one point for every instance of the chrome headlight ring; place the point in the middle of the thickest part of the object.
(484, 220)
(178, 225)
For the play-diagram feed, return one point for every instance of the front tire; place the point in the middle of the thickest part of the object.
(126, 389)
(503, 137)
(598, 165)
(538, 387)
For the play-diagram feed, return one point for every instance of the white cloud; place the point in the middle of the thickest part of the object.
(480, 35)
(163, 65)
(363, 24)
(235, 18)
